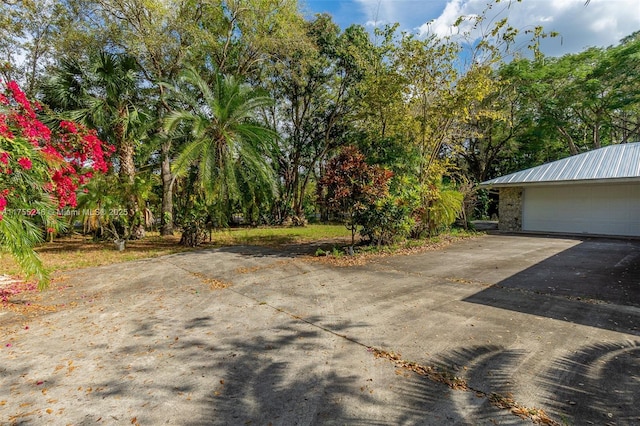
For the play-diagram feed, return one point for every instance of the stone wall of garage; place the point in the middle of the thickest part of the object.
(510, 209)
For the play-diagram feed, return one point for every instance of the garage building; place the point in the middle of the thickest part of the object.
(597, 192)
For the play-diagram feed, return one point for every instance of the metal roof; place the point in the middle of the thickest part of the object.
(620, 161)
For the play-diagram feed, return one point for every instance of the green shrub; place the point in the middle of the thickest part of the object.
(387, 221)
(440, 208)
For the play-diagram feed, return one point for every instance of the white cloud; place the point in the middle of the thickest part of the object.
(373, 23)
(600, 23)
(443, 25)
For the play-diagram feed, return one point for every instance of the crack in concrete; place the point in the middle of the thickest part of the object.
(437, 375)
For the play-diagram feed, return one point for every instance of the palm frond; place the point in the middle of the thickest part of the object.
(18, 237)
(228, 148)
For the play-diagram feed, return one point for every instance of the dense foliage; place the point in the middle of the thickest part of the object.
(244, 111)
(41, 171)
(350, 187)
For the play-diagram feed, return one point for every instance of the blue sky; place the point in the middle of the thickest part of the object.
(601, 23)
(347, 12)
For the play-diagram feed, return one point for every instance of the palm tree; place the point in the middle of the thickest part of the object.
(106, 96)
(227, 148)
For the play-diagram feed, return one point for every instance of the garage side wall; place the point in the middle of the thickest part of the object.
(510, 209)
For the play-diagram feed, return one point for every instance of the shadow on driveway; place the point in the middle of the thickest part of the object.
(597, 384)
(595, 283)
(604, 274)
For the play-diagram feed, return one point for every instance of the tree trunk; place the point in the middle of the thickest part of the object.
(596, 132)
(167, 191)
(128, 178)
(573, 149)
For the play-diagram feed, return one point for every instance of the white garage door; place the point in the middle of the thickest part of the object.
(592, 209)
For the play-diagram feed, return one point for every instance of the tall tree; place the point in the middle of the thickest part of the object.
(574, 103)
(232, 36)
(547, 108)
(28, 36)
(106, 96)
(381, 113)
(313, 85)
(158, 35)
(227, 146)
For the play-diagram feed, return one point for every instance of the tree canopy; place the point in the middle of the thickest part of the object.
(228, 108)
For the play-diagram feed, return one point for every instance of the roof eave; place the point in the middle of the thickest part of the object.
(559, 182)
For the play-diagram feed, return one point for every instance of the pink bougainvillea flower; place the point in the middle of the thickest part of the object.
(20, 97)
(69, 154)
(69, 126)
(4, 127)
(51, 154)
(25, 163)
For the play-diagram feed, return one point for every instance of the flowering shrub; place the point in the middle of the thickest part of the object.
(63, 159)
(41, 169)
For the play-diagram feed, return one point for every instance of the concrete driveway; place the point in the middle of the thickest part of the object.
(494, 330)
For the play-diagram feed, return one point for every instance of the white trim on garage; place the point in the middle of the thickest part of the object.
(600, 209)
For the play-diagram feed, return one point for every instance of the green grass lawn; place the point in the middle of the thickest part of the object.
(279, 235)
(80, 251)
